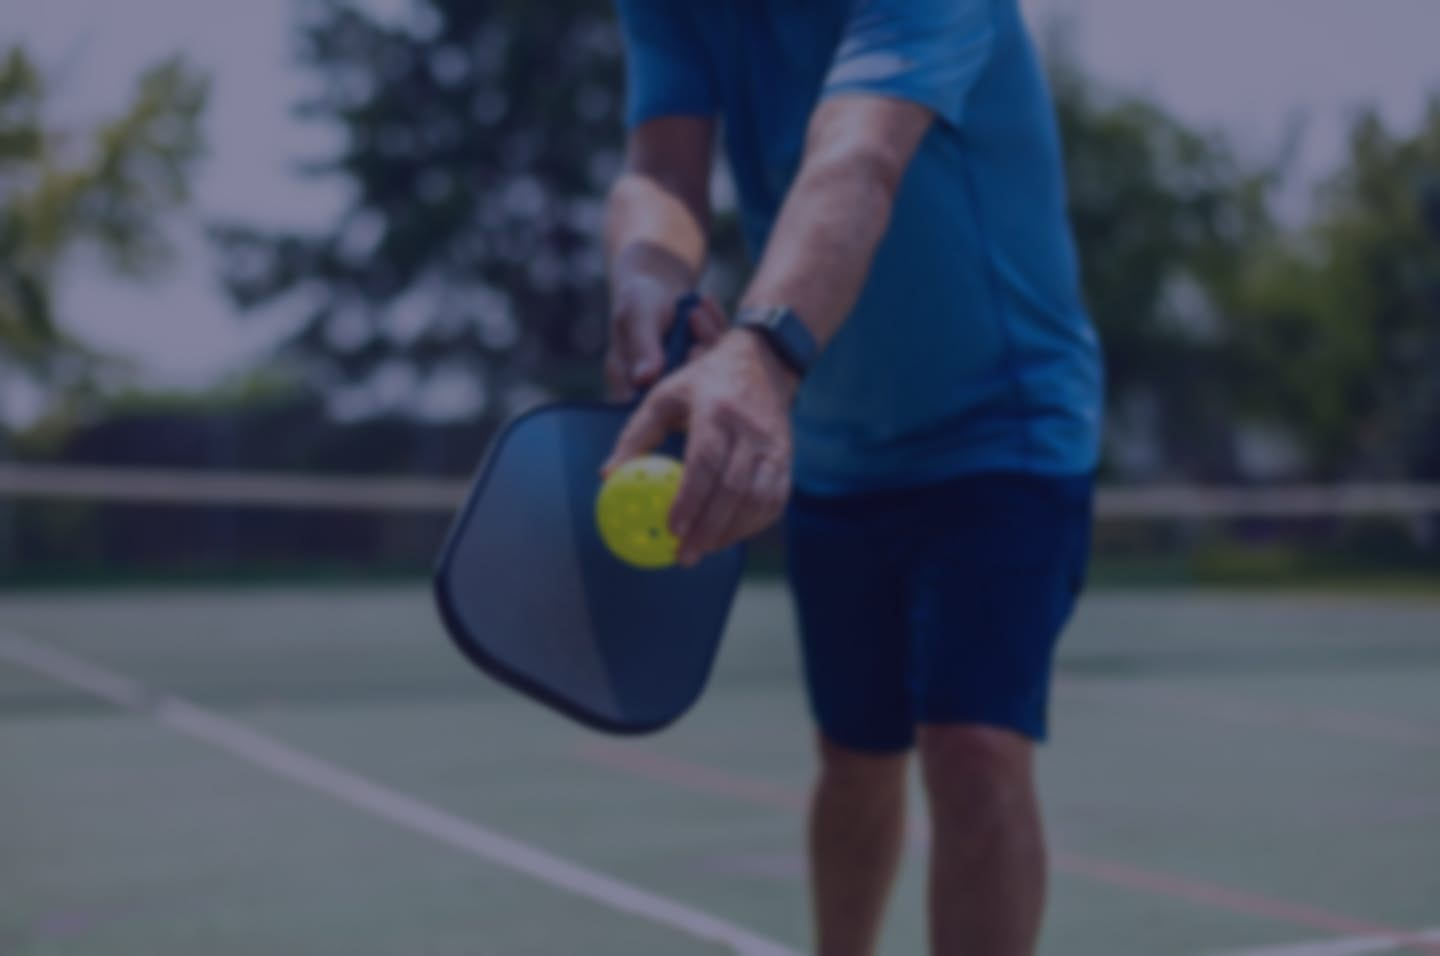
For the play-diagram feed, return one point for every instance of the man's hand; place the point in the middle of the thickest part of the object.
(642, 312)
(734, 404)
(655, 238)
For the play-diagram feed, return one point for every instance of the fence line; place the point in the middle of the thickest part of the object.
(397, 494)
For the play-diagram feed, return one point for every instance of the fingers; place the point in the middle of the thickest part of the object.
(638, 336)
(708, 321)
(728, 495)
(636, 358)
(658, 415)
(742, 497)
(641, 310)
(706, 455)
(769, 491)
(617, 381)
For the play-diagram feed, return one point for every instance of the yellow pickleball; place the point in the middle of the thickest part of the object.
(633, 509)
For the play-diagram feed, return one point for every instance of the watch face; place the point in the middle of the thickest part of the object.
(773, 318)
(786, 334)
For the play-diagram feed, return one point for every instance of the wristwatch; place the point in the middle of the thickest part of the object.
(786, 335)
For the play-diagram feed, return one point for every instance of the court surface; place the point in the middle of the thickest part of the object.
(316, 771)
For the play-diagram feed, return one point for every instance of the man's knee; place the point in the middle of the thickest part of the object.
(859, 771)
(976, 776)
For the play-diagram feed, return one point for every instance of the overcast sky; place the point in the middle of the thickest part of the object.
(1246, 66)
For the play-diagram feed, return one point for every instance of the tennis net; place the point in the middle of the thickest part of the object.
(59, 521)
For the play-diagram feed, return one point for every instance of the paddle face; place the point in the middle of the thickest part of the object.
(531, 594)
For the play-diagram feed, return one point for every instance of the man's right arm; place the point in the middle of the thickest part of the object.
(657, 220)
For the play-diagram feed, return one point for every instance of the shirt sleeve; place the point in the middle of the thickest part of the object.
(666, 67)
(930, 52)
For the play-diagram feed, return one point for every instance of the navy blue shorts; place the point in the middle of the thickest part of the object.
(940, 604)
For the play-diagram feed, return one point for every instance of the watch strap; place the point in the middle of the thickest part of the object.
(785, 333)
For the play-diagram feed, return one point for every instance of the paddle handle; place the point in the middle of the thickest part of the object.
(678, 343)
(680, 339)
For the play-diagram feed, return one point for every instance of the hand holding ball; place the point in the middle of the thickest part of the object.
(633, 511)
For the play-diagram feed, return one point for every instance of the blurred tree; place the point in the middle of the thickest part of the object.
(477, 137)
(1164, 217)
(1340, 326)
(61, 192)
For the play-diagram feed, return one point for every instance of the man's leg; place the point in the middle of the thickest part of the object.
(987, 864)
(995, 578)
(852, 604)
(857, 836)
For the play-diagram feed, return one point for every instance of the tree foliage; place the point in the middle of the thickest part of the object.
(106, 190)
(1164, 215)
(477, 137)
(1340, 325)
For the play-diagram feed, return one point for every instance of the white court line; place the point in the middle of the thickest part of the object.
(380, 801)
(1354, 946)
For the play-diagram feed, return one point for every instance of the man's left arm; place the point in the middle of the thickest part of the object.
(735, 401)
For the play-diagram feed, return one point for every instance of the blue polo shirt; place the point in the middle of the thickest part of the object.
(970, 349)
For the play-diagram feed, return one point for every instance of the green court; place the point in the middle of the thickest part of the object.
(317, 771)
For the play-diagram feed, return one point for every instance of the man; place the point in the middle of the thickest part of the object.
(915, 319)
